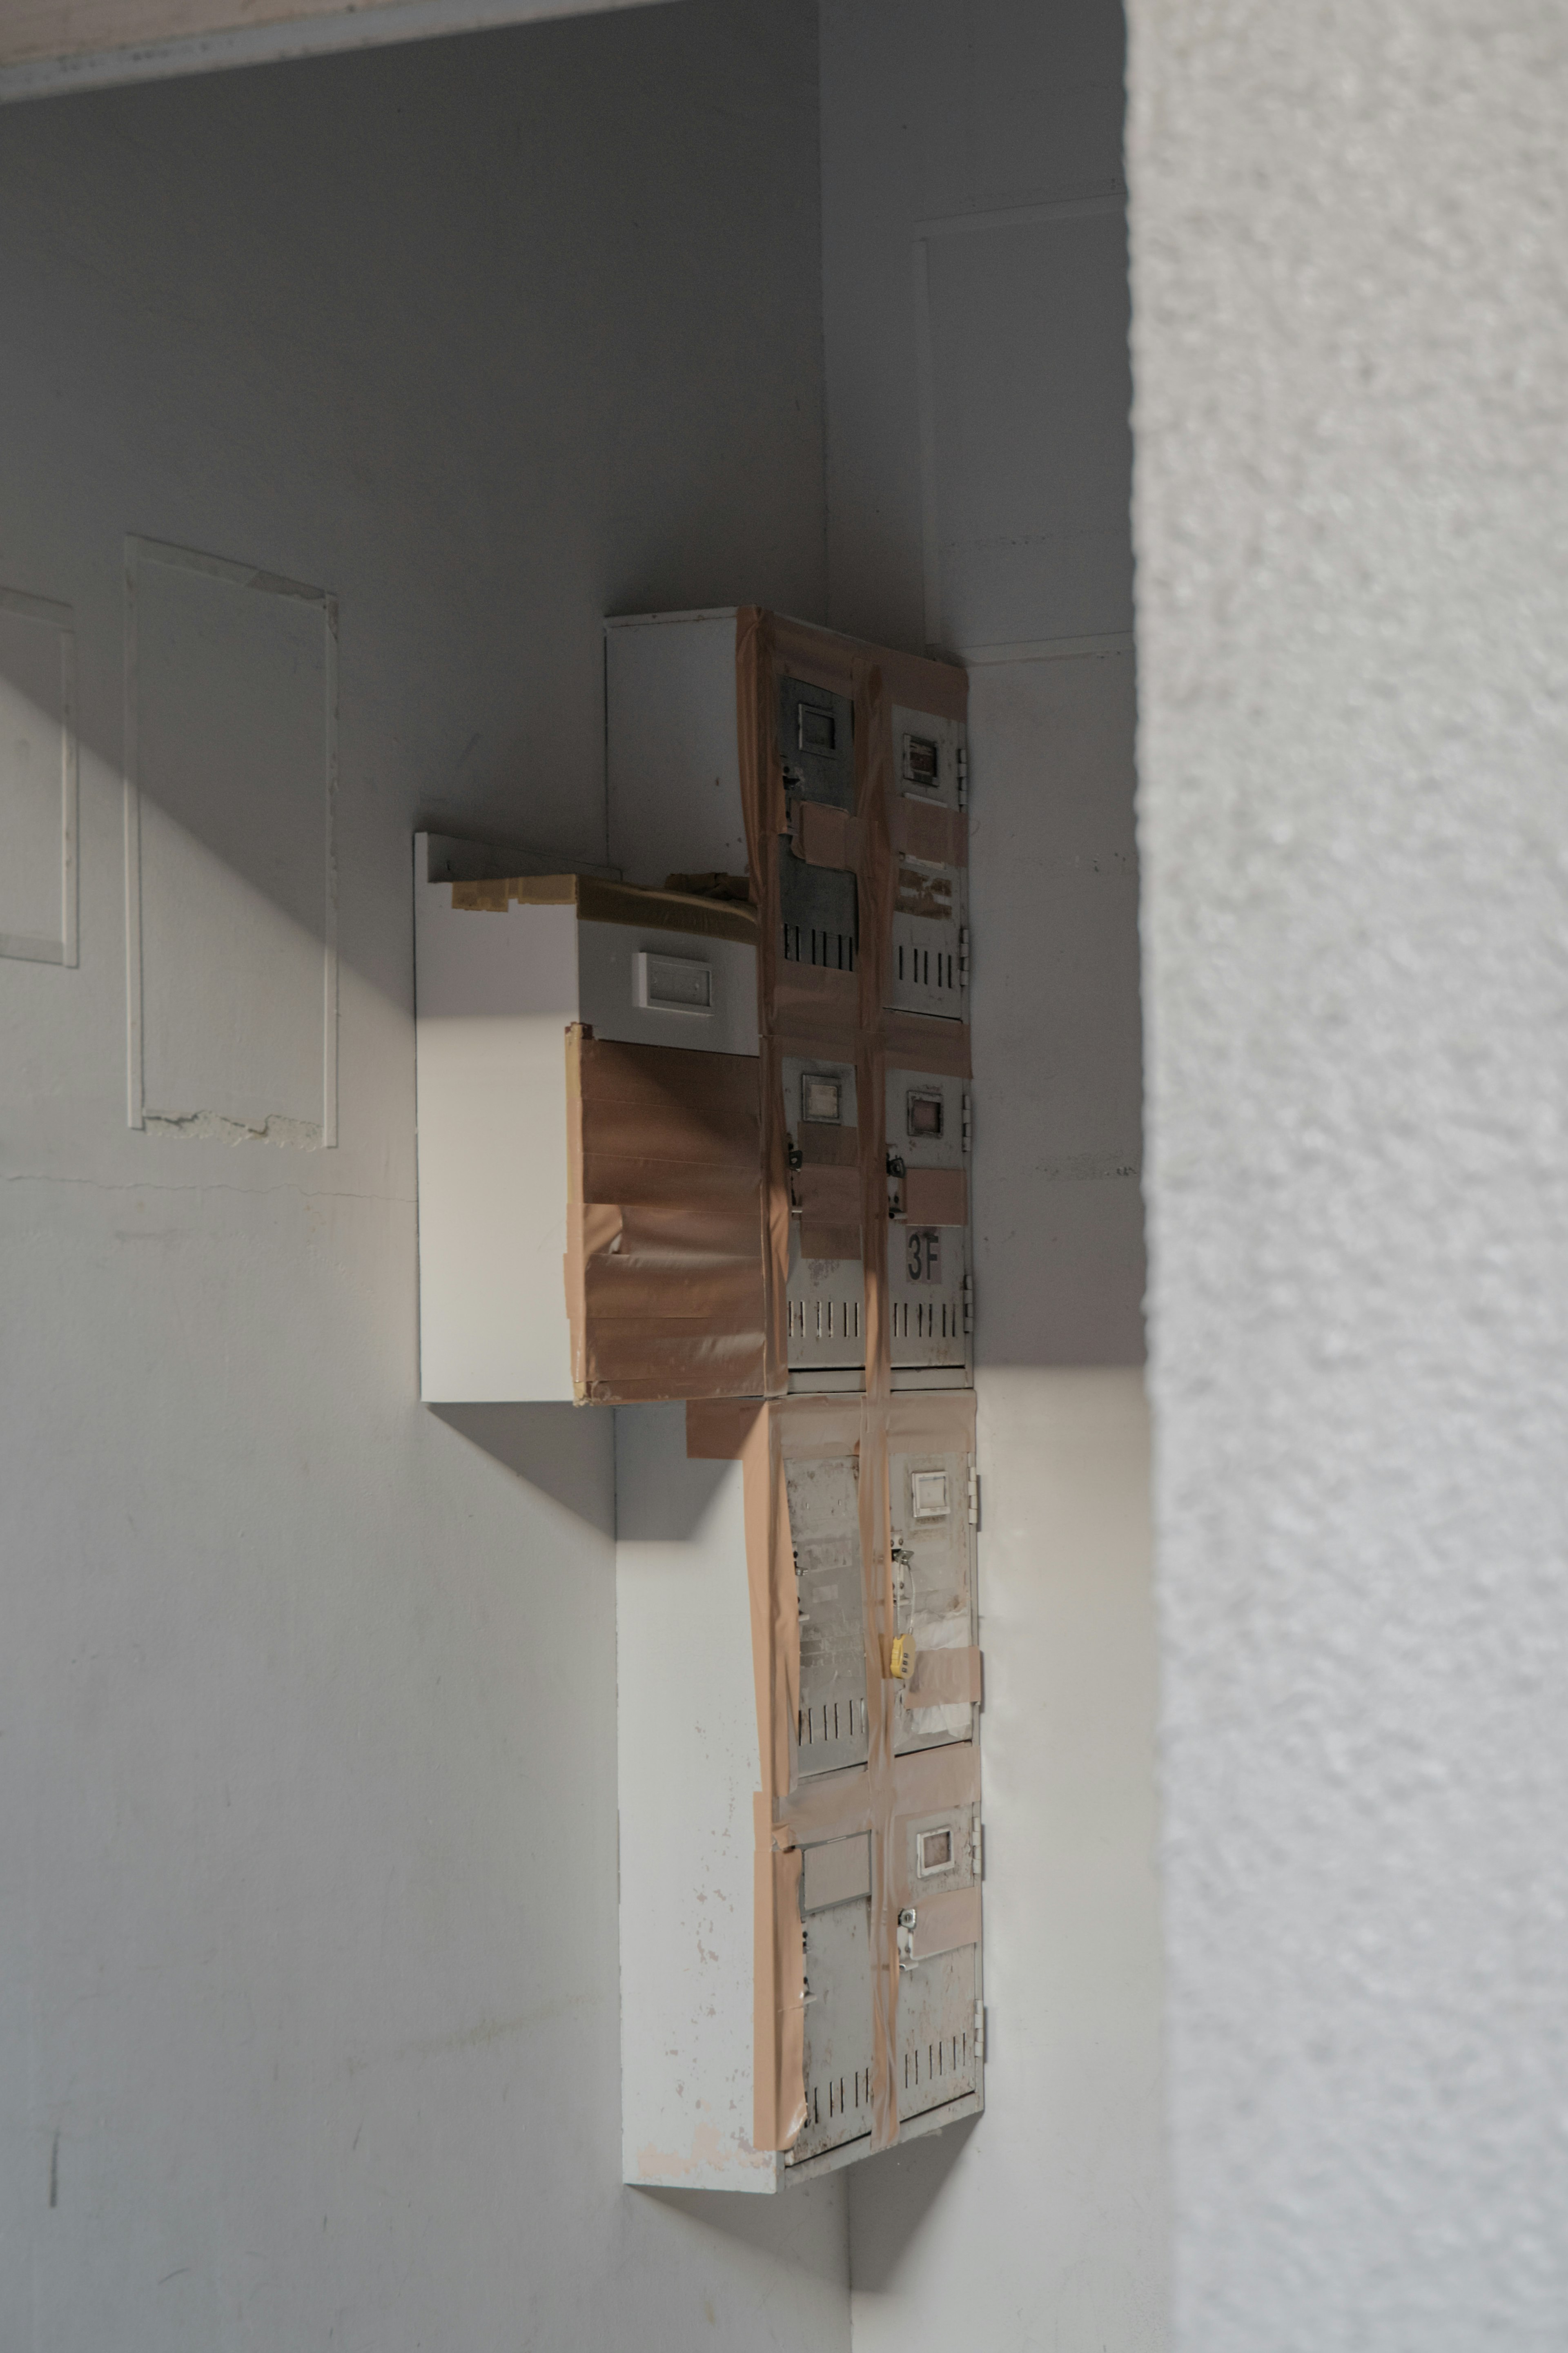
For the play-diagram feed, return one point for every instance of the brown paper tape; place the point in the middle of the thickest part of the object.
(925, 829)
(945, 1922)
(829, 1242)
(911, 1042)
(665, 1222)
(828, 1147)
(936, 1197)
(943, 1679)
(826, 837)
(598, 902)
(778, 2080)
(828, 1197)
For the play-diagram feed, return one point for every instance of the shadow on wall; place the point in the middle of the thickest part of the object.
(788, 2224)
(578, 217)
(921, 2171)
(559, 1449)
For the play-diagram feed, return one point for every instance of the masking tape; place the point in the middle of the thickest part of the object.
(943, 1679)
(936, 1197)
(945, 1922)
(599, 901)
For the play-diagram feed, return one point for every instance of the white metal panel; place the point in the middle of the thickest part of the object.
(933, 1582)
(687, 1767)
(824, 1529)
(938, 2056)
(929, 756)
(608, 990)
(837, 2054)
(495, 995)
(929, 970)
(672, 761)
(826, 1298)
(928, 1266)
(826, 1314)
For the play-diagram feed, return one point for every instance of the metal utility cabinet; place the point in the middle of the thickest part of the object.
(695, 1142)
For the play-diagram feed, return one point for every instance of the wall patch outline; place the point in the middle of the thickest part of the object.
(197, 1120)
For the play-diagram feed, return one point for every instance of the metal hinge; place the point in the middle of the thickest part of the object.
(965, 1124)
(980, 2029)
(973, 1473)
(964, 956)
(968, 1302)
(962, 766)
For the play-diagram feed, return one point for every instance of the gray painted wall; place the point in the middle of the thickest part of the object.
(975, 309)
(308, 2005)
(1350, 247)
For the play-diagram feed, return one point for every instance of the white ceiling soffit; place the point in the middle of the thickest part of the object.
(52, 45)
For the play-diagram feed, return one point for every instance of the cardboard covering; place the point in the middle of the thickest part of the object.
(945, 1922)
(826, 837)
(665, 1222)
(598, 902)
(944, 1678)
(924, 829)
(936, 1197)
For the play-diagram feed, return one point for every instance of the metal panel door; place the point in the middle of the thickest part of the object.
(824, 1529)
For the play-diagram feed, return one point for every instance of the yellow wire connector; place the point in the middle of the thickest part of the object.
(901, 1664)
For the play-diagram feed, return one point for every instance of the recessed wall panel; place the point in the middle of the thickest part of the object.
(231, 768)
(1028, 536)
(37, 781)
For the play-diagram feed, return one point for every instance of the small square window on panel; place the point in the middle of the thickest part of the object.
(923, 1114)
(922, 763)
(821, 1100)
(928, 1494)
(933, 1852)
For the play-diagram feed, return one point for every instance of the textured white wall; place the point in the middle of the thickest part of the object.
(972, 176)
(1350, 235)
(308, 1983)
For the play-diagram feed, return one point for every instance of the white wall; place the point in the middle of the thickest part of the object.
(308, 1996)
(976, 308)
(1350, 240)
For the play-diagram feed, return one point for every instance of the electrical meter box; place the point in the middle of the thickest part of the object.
(589, 1155)
(689, 734)
(799, 1825)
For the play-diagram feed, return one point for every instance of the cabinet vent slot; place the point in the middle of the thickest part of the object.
(833, 1720)
(829, 951)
